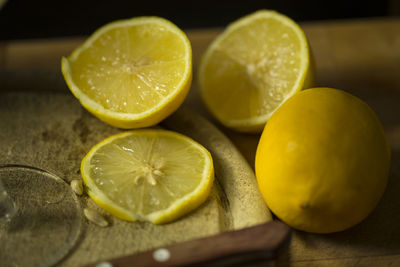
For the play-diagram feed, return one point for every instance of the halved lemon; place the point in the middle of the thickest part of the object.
(251, 68)
(131, 73)
(148, 175)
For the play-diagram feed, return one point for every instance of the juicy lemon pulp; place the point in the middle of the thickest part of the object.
(144, 74)
(252, 67)
(131, 73)
(153, 175)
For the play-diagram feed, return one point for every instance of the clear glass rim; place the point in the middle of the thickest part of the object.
(76, 232)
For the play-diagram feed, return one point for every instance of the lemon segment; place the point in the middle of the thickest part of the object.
(250, 69)
(131, 73)
(148, 175)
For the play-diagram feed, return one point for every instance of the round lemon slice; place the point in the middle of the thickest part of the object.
(148, 175)
(251, 68)
(131, 73)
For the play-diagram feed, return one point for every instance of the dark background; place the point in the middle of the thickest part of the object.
(26, 19)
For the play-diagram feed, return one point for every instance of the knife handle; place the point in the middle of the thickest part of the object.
(259, 242)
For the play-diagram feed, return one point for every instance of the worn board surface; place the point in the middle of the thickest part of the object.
(44, 126)
(360, 56)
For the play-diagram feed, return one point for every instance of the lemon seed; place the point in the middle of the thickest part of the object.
(95, 217)
(77, 187)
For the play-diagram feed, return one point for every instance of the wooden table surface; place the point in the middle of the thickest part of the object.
(359, 56)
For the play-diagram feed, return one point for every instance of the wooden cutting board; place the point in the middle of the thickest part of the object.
(359, 56)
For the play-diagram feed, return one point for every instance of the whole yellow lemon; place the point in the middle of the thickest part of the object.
(323, 160)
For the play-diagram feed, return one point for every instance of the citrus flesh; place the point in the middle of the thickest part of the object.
(322, 162)
(148, 175)
(250, 69)
(131, 73)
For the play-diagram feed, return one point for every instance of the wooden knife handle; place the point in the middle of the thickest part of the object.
(259, 242)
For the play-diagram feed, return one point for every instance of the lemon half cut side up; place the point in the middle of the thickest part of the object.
(131, 73)
(252, 67)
